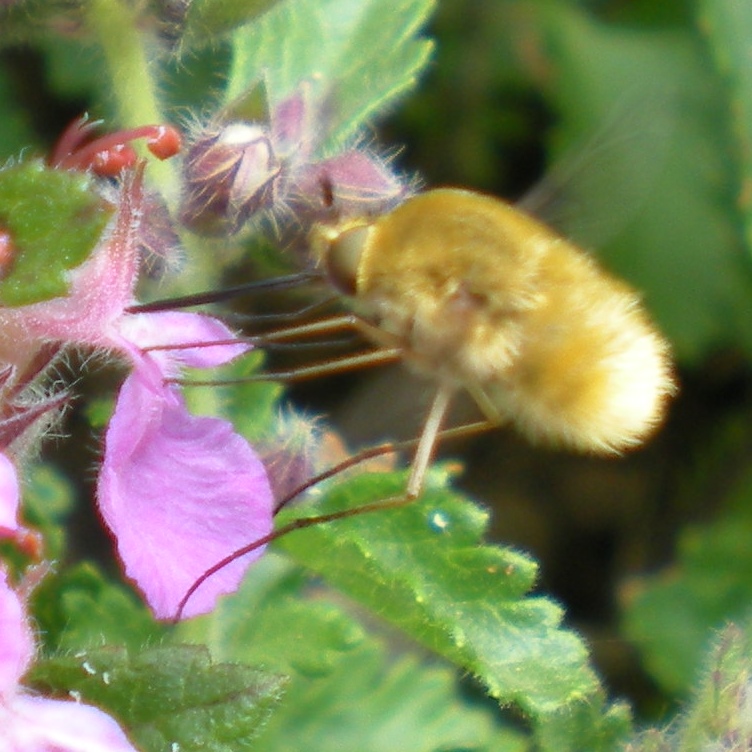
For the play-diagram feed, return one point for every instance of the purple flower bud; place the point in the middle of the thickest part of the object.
(290, 457)
(354, 183)
(231, 173)
(292, 126)
(235, 171)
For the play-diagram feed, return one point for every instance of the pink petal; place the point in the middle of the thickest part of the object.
(179, 492)
(291, 123)
(178, 328)
(100, 288)
(9, 497)
(36, 724)
(16, 645)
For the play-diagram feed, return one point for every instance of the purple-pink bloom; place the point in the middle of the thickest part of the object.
(9, 498)
(179, 492)
(30, 723)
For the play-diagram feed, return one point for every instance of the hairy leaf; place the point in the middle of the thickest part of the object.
(80, 608)
(424, 568)
(54, 220)
(168, 697)
(345, 691)
(356, 58)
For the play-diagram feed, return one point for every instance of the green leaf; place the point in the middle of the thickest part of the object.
(423, 568)
(728, 28)
(16, 132)
(671, 615)
(194, 79)
(47, 502)
(55, 220)
(79, 608)
(717, 716)
(357, 58)
(595, 727)
(289, 632)
(344, 692)
(681, 245)
(208, 19)
(376, 704)
(168, 697)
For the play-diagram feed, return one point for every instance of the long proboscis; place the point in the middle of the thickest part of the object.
(215, 296)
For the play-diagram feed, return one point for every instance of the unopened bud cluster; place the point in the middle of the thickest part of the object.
(234, 171)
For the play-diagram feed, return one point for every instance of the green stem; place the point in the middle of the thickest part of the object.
(115, 25)
(132, 77)
(132, 84)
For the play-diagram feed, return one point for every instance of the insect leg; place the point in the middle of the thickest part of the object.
(337, 365)
(388, 351)
(375, 506)
(428, 439)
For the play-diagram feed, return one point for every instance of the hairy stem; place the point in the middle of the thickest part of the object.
(131, 74)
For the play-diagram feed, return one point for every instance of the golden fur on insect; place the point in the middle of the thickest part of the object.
(482, 296)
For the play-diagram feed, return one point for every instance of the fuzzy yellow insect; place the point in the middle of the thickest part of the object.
(480, 296)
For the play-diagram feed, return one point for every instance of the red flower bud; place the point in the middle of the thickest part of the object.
(108, 155)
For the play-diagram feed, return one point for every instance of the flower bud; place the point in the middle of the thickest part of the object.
(290, 457)
(354, 183)
(230, 174)
(293, 124)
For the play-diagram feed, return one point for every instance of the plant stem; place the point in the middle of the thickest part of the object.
(132, 83)
(132, 73)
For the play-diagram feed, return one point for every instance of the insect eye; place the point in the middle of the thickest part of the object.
(343, 258)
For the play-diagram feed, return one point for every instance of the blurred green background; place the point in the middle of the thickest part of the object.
(628, 125)
(626, 122)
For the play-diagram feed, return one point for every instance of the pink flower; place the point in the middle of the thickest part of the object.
(29, 723)
(178, 492)
(9, 498)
